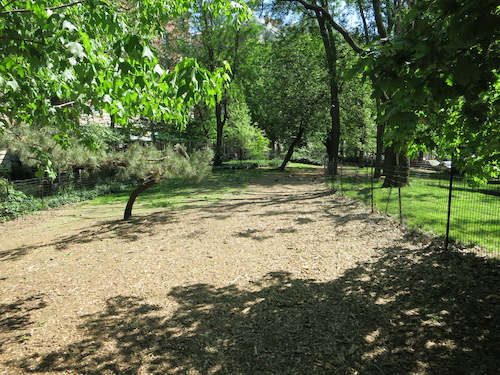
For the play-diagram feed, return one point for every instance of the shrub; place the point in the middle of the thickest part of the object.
(312, 153)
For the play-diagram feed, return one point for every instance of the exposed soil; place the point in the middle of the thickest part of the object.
(284, 277)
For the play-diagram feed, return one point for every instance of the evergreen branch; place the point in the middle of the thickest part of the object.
(160, 159)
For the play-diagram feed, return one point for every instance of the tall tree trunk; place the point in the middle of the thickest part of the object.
(273, 146)
(143, 187)
(379, 151)
(361, 158)
(294, 144)
(332, 142)
(220, 116)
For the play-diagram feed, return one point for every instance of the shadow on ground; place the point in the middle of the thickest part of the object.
(15, 318)
(405, 312)
(139, 226)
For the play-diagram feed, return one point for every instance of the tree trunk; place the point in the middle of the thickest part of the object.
(380, 151)
(332, 142)
(274, 148)
(361, 158)
(289, 153)
(220, 118)
(144, 186)
(396, 168)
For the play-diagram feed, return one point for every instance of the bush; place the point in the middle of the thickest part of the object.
(313, 153)
(17, 204)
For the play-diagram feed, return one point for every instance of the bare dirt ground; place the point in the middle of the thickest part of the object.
(282, 278)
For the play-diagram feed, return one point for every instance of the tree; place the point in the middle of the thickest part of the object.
(443, 73)
(241, 133)
(65, 59)
(218, 37)
(37, 147)
(358, 119)
(323, 12)
(287, 102)
(62, 60)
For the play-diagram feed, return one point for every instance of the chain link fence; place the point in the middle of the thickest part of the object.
(442, 203)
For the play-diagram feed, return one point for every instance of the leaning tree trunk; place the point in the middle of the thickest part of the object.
(143, 187)
(294, 144)
(150, 182)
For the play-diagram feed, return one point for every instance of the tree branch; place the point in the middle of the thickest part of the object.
(382, 31)
(347, 36)
(50, 8)
(64, 104)
(6, 5)
(23, 40)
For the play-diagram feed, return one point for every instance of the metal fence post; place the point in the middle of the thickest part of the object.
(400, 207)
(450, 194)
(371, 189)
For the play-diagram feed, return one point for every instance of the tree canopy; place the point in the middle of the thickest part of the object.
(444, 79)
(58, 60)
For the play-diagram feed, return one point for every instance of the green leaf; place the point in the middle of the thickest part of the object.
(107, 99)
(147, 53)
(76, 49)
(182, 90)
(12, 83)
(69, 26)
(159, 70)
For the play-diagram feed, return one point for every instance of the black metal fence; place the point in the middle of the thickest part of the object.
(442, 203)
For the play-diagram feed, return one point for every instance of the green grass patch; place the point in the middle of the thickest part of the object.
(170, 193)
(273, 163)
(474, 213)
(176, 193)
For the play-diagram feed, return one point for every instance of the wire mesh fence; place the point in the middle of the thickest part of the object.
(101, 181)
(40, 188)
(436, 201)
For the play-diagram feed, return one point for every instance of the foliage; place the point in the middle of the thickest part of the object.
(135, 161)
(443, 73)
(71, 58)
(141, 162)
(358, 112)
(241, 134)
(312, 152)
(38, 147)
(59, 60)
(291, 89)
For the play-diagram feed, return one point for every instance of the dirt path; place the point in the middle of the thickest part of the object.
(284, 278)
